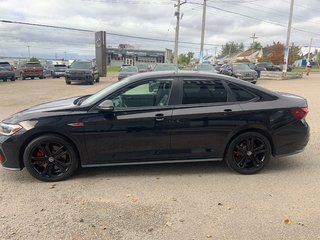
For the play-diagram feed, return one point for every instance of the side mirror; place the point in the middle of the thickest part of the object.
(106, 106)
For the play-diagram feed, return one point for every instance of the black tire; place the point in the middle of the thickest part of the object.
(91, 81)
(248, 153)
(98, 79)
(32, 77)
(41, 77)
(5, 80)
(68, 82)
(50, 158)
(13, 78)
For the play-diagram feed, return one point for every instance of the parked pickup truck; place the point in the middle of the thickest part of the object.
(32, 70)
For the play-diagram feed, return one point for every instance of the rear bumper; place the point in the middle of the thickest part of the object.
(26, 75)
(291, 139)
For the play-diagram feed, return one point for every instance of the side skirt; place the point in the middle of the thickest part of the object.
(152, 162)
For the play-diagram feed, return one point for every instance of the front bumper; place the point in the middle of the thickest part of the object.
(10, 154)
(78, 77)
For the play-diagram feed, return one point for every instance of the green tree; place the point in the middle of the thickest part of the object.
(185, 58)
(230, 48)
(294, 54)
(256, 45)
(263, 58)
(34, 59)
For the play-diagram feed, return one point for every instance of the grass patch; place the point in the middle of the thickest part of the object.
(113, 68)
(305, 70)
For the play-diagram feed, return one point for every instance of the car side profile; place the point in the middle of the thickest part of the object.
(157, 117)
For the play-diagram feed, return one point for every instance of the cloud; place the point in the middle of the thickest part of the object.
(153, 19)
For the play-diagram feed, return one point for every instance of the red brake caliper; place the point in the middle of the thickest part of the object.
(41, 153)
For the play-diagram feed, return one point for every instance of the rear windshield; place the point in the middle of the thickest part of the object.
(33, 65)
(60, 65)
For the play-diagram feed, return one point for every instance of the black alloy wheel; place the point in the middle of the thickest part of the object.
(248, 153)
(50, 158)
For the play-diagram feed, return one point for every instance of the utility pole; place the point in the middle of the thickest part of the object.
(28, 51)
(253, 40)
(203, 29)
(309, 49)
(176, 42)
(286, 51)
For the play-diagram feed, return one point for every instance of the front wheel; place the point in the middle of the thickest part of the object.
(50, 158)
(248, 153)
(98, 79)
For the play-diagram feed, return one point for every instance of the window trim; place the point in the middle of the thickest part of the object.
(179, 103)
(255, 99)
(172, 96)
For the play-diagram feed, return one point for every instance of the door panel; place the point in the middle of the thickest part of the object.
(203, 131)
(128, 136)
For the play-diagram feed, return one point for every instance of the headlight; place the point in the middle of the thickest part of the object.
(9, 129)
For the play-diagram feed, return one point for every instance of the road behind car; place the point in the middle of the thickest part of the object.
(175, 201)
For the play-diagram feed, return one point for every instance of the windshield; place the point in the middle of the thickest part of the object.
(142, 66)
(60, 66)
(129, 69)
(165, 67)
(205, 67)
(80, 65)
(4, 69)
(241, 67)
(104, 92)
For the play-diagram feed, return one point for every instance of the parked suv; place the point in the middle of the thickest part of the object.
(57, 70)
(7, 72)
(82, 71)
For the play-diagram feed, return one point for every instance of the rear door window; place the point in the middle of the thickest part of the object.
(240, 94)
(203, 91)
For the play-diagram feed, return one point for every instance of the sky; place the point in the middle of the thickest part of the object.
(226, 20)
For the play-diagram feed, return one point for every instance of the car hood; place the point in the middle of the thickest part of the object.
(47, 109)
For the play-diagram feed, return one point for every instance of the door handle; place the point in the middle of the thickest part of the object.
(159, 117)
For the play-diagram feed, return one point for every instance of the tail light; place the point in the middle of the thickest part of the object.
(300, 113)
(1, 158)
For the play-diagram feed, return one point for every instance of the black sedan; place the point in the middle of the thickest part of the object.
(183, 117)
(127, 71)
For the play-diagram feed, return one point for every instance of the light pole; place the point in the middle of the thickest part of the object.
(176, 42)
(203, 30)
(252, 50)
(286, 51)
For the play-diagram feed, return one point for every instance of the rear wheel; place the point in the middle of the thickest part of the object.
(5, 80)
(248, 153)
(13, 78)
(32, 77)
(90, 81)
(98, 79)
(50, 158)
(68, 82)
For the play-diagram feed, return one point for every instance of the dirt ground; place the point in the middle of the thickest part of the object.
(171, 201)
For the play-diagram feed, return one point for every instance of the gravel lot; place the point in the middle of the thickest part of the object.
(172, 201)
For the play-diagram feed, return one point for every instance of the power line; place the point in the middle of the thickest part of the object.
(91, 31)
(254, 18)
